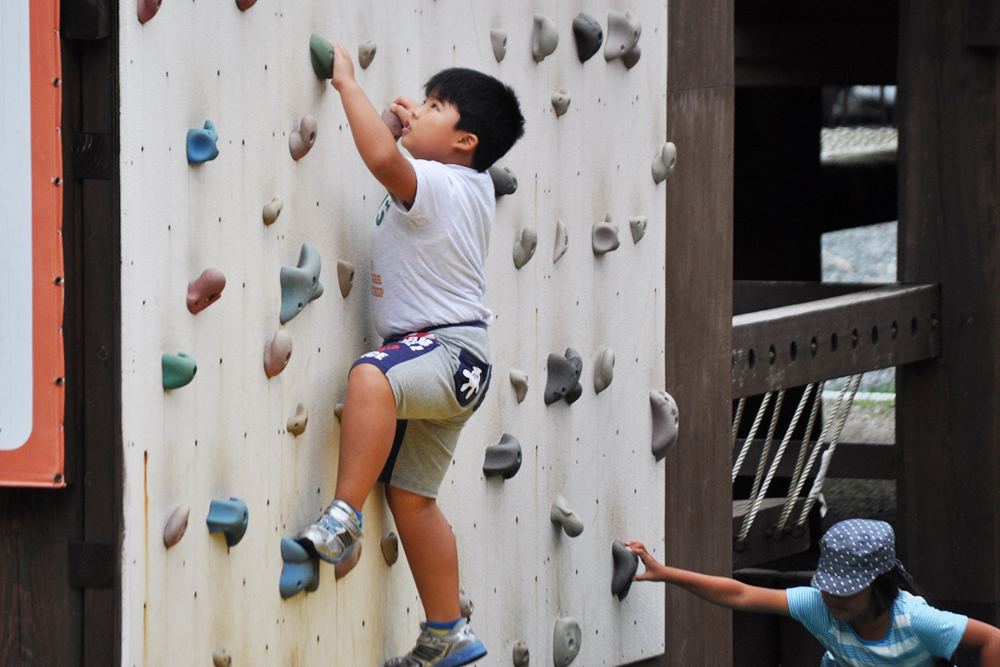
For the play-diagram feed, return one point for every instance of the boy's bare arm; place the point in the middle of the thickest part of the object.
(984, 638)
(374, 140)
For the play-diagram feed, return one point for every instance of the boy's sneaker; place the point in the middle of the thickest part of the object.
(458, 648)
(334, 534)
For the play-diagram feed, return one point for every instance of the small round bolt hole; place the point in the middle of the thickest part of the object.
(793, 350)
(813, 347)
(894, 329)
(875, 335)
(914, 326)
(854, 339)
(833, 341)
(751, 358)
(772, 355)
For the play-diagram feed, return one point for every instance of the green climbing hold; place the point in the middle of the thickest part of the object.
(321, 52)
(178, 370)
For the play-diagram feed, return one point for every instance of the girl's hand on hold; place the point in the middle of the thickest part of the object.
(343, 68)
(653, 570)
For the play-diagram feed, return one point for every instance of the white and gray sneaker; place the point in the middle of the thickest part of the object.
(334, 535)
(458, 648)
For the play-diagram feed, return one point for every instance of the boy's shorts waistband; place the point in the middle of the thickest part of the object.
(395, 338)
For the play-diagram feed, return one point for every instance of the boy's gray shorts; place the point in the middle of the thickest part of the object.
(439, 378)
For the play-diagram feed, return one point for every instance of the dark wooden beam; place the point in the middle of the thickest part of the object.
(851, 460)
(750, 296)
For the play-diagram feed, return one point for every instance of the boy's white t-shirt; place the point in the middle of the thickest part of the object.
(428, 262)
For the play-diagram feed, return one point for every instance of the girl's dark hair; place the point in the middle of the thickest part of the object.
(886, 588)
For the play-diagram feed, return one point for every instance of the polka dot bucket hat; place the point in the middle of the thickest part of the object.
(852, 554)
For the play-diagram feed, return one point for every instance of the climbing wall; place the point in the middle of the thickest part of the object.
(225, 434)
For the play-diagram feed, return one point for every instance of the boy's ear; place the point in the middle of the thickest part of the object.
(467, 142)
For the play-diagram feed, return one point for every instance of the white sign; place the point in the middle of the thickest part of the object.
(16, 384)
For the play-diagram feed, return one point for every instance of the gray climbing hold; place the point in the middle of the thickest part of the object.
(300, 569)
(562, 241)
(663, 163)
(503, 459)
(623, 34)
(498, 39)
(564, 377)
(147, 9)
(604, 369)
(561, 515)
(272, 210)
(626, 564)
(221, 657)
(366, 53)
(665, 422)
(296, 424)
(349, 560)
(504, 180)
(229, 517)
(302, 139)
(205, 290)
(588, 35)
(321, 55)
(345, 276)
(178, 370)
(632, 57)
(604, 236)
(277, 353)
(566, 638)
(638, 227)
(560, 101)
(300, 285)
(465, 605)
(338, 410)
(521, 655)
(202, 143)
(390, 548)
(176, 525)
(544, 37)
(524, 246)
(519, 380)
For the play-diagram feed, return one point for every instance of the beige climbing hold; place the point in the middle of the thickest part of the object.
(338, 410)
(665, 422)
(302, 139)
(560, 101)
(561, 515)
(623, 35)
(522, 657)
(544, 38)
(345, 276)
(465, 605)
(277, 352)
(638, 227)
(604, 369)
(221, 658)
(272, 210)
(176, 525)
(604, 236)
(519, 380)
(347, 564)
(390, 548)
(296, 424)
(566, 638)
(663, 163)
(562, 241)
(524, 246)
(498, 39)
(366, 53)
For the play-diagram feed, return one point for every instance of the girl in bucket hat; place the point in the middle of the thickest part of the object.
(860, 606)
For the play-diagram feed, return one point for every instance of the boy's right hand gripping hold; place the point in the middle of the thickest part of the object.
(652, 567)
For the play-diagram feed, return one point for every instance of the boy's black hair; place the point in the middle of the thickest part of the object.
(487, 108)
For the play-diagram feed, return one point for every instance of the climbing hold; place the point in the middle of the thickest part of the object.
(176, 525)
(663, 163)
(221, 657)
(147, 9)
(205, 289)
(178, 370)
(566, 638)
(272, 210)
(390, 548)
(338, 410)
(465, 605)
(321, 54)
(277, 352)
(544, 38)
(604, 369)
(562, 241)
(230, 518)
(498, 38)
(366, 52)
(504, 180)
(561, 515)
(524, 246)
(521, 655)
(519, 379)
(631, 57)
(300, 571)
(604, 236)
(302, 139)
(347, 563)
(345, 277)
(394, 124)
(503, 458)
(638, 226)
(665, 422)
(300, 285)
(201, 143)
(623, 34)
(626, 564)
(588, 35)
(296, 424)
(245, 4)
(564, 377)
(560, 101)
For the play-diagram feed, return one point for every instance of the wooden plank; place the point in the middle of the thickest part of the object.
(763, 544)
(750, 296)
(850, 461)
(10, 602)
(700, 48)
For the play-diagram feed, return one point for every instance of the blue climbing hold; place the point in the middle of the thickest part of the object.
(178, 370)
(300, 571)
(201, 143)
(300, 285)
(229, 517)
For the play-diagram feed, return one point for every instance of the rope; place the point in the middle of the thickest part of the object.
(738, 418)
(786, 511)
(751, 435)
(767, 444)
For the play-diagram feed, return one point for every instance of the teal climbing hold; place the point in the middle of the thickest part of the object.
(229, 517)
(201, 143)
(321, 53)
(178, 370)
(300, 285)
(300, 571)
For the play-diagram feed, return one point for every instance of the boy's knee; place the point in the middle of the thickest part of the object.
(368, 378)
(407, 502)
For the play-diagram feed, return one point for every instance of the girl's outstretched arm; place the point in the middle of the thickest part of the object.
(718, 590)
(986, 639)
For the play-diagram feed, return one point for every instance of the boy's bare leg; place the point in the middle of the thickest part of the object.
(430, 550)
(367, 429)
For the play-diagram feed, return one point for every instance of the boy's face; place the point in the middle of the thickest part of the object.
(431, 132)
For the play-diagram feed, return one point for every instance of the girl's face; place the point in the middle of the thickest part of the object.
(849, 608)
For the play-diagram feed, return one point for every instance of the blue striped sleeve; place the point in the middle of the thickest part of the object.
(939, 631)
